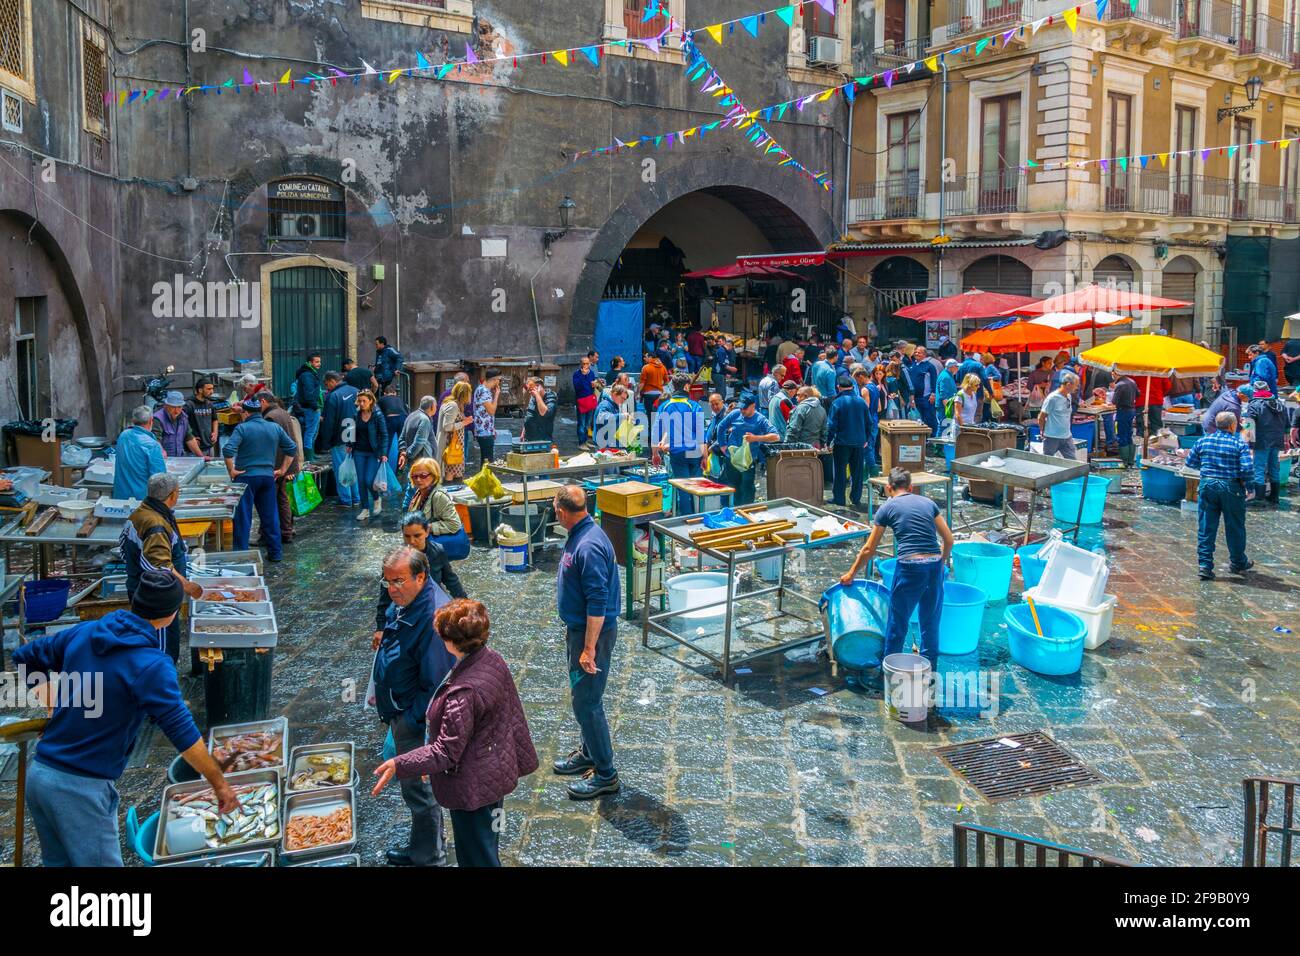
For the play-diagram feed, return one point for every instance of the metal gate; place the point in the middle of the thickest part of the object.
(308, 315)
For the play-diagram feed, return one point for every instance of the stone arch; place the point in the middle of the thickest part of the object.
(998, 273)
(1124, 270)
(775, 185)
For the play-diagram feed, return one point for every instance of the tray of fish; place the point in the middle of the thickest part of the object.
(224, 571)
(191, 825)
(232, 610)
(258, 745)
(213, 592)
(318, 823)
(224, 558)
(316, 766)
(256, 858)
(345, 859)
(234, 634)
(234, 581)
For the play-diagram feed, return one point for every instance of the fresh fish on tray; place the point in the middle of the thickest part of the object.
(321, 770)
(226, 610)
(258, 816)
(252, 751)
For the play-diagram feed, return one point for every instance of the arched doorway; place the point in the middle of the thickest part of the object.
(310, 306)
(897, 282)
(1117, 272)
(1179, 281)
(998, 274)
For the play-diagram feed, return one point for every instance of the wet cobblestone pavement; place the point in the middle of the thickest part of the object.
(1194, 691)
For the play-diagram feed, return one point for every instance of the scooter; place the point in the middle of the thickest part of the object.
(156, 388)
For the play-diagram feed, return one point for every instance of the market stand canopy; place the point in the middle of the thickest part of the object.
(1077, 321)
(743, 272)
(1098, 298)
(1155, 355)
(974, 304)
(1018, 337)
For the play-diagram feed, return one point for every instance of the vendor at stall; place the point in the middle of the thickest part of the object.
(745, 424)
(124, 676)
(171, 427)
(151, 541)
(137, 456)
(609, 416)
(678, 430)
(924, 543)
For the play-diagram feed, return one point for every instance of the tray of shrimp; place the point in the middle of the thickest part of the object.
(318, 822)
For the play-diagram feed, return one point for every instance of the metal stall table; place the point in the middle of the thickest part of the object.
(212, 502)
(1022, 469)
(920, 480)
(564, 471)
(677, 530)
(60, 532)
(102, 472)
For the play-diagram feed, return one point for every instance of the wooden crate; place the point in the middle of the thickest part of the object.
(627, 499)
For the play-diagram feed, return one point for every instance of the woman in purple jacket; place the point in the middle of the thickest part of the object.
(479, 745)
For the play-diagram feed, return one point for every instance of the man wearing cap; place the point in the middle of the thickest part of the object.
(1271, 423)
(847, 430)
(744, 424)
(171, 427)
(137, 456)
(251, 455)
(122, 674)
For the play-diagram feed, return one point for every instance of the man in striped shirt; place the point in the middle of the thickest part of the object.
(1227, 481)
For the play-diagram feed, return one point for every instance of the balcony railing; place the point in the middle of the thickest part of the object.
(989, 193)
(967, 16)
(1201, 197)
(1136, 190)
(1159, 12)
(901, 197)
(1265, 36)
(898, 53)
(1211, 19)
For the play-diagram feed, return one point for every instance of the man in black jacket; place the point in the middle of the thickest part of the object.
(202, 416)
(340, 415)
(306, 402)
(410, 662)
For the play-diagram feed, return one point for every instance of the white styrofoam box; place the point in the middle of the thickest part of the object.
(1098, 617)
(115, 508)
(1074, 575)
(53, 494)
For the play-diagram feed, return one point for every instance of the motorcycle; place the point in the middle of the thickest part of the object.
(156, 388)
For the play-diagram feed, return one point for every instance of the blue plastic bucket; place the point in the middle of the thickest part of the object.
(1065, 500)
(985, 565)
(45, 600)
(963, 617)
(514, 557)
(1166, 487)
(142, 837)
(1058, 652)
(1085, 431)
(1031, 565)
(855, 620)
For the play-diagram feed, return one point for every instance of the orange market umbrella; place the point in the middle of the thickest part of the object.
(1018, 337)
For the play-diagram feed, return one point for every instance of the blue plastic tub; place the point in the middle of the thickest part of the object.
(963, 618)
(1031, 565)
(1065, 500)
(987, 566)
(855, 619)
(45, 600)
(1166, 487)
(1086, 431)
(1058, 652)
(142, 837)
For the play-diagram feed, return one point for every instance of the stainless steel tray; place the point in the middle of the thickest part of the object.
(277, 724)
(175, 790)
(242, 581)
(223, 571)
(346, 859)
(303, 751)
(247, 610)
(318, 803)
(1023, 469)
(250, 556)
(205, 632)
(256, 858)
(264, 594)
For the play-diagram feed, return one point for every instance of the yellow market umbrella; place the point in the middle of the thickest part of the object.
(1291, 326)
(1155, 356)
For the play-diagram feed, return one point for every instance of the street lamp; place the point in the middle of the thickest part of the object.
(1253, 86)
(566, 208)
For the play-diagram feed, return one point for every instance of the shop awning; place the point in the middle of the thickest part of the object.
(784, 260)
(854, 250)
(741, 271)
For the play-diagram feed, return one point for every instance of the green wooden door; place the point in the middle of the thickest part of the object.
(308, 314)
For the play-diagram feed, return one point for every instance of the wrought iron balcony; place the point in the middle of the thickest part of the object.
(995, 192)
(901, 197)
(1159, 12)
(1215, 20)
(896, 53)
(1267, 37)
(968, 16)
(1135, 190)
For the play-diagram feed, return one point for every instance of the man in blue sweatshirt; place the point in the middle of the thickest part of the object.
(587, 590)
(679, 430)
(337, 427)
(410, 662)
(251, 455)
(847, 430)
(111, 674)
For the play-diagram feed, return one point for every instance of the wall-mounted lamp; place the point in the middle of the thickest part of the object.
(1253, 86)
(566, 208)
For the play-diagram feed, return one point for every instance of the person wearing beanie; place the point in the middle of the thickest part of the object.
(1270, 424)
(252, 453)
(112, 673)
(847, 429)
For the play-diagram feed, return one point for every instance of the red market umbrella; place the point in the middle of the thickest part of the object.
(742, 272)
(1097, 298)
(974, 304)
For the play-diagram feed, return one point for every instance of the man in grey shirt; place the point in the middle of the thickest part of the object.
(415, 440)
(1054, 418)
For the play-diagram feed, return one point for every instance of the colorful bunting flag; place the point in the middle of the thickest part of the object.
(593, 54)
(715, 31)
(1072, 19)
(750, 24)
(472, 57)
(562, 56)
(786, 14)
(420, 61)
(651, 11)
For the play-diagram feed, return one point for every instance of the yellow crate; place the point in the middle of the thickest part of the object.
(627, 499)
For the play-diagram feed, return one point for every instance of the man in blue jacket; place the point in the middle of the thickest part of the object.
(137, 456)
(388, 362)
(679, 430)
(306, 402)
(111, 674)
(338, 424)
(924, 380)
(588, 595)
(410, 662)
(824, 375)
(1261, 367)
(847, 430)
(251, 456)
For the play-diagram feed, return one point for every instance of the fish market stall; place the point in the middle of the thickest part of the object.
(1021, 470)
(233, 636)
(190, 824)
(99, 474)
(44, 530)
(770, 536)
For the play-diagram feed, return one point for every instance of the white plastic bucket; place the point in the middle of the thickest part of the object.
(514, 557)
(907, 687)
(696, 590)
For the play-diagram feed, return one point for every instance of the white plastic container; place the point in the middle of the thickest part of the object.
(1098, 617)
(1074, 576)
(696, 590)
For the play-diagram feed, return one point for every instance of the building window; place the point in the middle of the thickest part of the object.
(94, 80)
(32, 355)
(16, 67)
(1184, 140)
(306, 209)
(903, 165)
(636, 24)
(817, 22)
(453, 15)
(1121, 144)
(1242, 135)
(625, 20)
(896, 22)
(999, 152)
(1291, 174)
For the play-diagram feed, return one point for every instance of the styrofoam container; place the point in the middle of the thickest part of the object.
(1074, 576)
(697, 590)
(1097, 617)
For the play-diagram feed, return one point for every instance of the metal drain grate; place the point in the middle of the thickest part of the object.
(1029, 765)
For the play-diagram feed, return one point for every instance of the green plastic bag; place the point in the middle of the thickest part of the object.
(742, 459)
(304, 496)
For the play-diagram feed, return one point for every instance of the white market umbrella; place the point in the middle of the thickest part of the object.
(1077, 321)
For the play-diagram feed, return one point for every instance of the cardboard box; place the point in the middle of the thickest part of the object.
(532, 462)
(627, 499)
(902, 445)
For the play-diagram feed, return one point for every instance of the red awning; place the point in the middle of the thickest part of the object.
(741, 272)
(1097, 298)
(786, 260)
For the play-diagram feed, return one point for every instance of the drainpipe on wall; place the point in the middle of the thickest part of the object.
(943, 146)
(397, 281)
(848, 166)
(537, 322)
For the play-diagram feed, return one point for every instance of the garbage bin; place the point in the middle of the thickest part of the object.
(902, 445)
(236, 671)
(794, 470)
